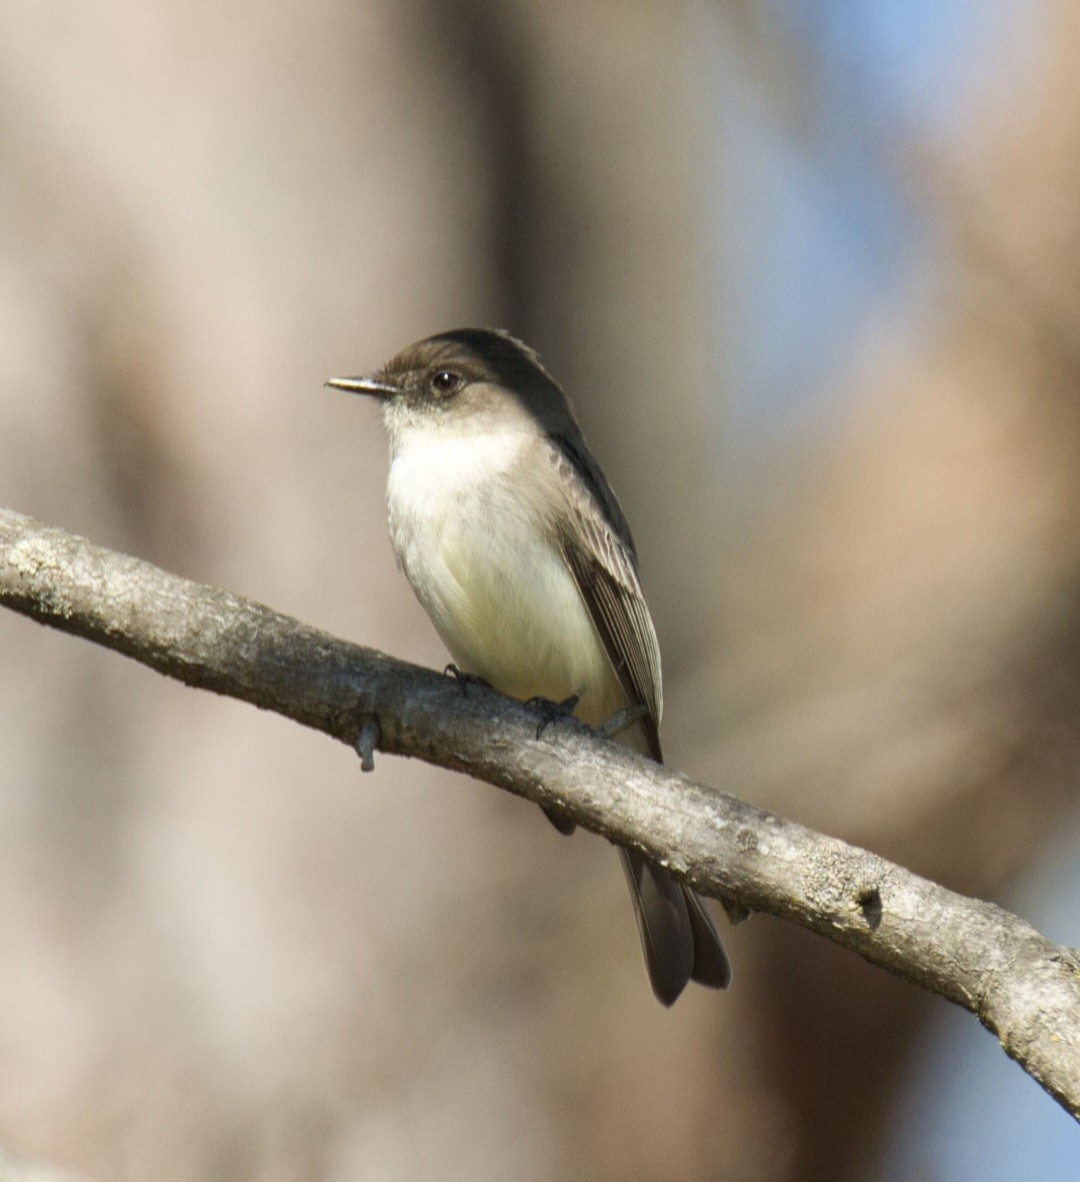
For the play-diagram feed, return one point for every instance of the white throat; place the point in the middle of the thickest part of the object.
(426, 458)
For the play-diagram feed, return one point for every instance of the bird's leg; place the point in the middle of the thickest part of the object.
(464, 679)
(552, 711)
(622, 720)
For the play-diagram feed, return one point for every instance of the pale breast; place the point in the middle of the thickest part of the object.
(489, 575)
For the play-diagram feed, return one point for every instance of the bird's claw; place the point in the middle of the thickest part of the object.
(464, 679)
(552, 711)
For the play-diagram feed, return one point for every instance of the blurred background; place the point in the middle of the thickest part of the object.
(810, 270)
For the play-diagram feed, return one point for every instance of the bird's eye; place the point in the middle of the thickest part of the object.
(445, 382)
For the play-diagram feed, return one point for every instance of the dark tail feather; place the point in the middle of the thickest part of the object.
(711, 964)
(663, 924)
(677, 935)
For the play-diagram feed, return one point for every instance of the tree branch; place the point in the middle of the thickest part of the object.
(1022, 987)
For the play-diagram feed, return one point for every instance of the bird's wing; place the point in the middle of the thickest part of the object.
(599, 551)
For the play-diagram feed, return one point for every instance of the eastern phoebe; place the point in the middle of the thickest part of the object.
(519, 552)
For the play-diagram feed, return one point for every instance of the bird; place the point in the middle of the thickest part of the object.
(518, 550)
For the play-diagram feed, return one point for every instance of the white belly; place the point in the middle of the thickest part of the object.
(499, 594)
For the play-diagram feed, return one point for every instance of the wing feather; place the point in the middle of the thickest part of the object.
(599, 551)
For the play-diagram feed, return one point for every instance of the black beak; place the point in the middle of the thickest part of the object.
(372, 386)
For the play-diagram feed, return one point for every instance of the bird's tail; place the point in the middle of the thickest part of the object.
(677, 935)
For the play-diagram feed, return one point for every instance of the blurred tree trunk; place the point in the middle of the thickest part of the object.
(588, 121)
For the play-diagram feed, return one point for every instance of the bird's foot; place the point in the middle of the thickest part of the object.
(465, 679)
(552, 711)
(622, 720)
